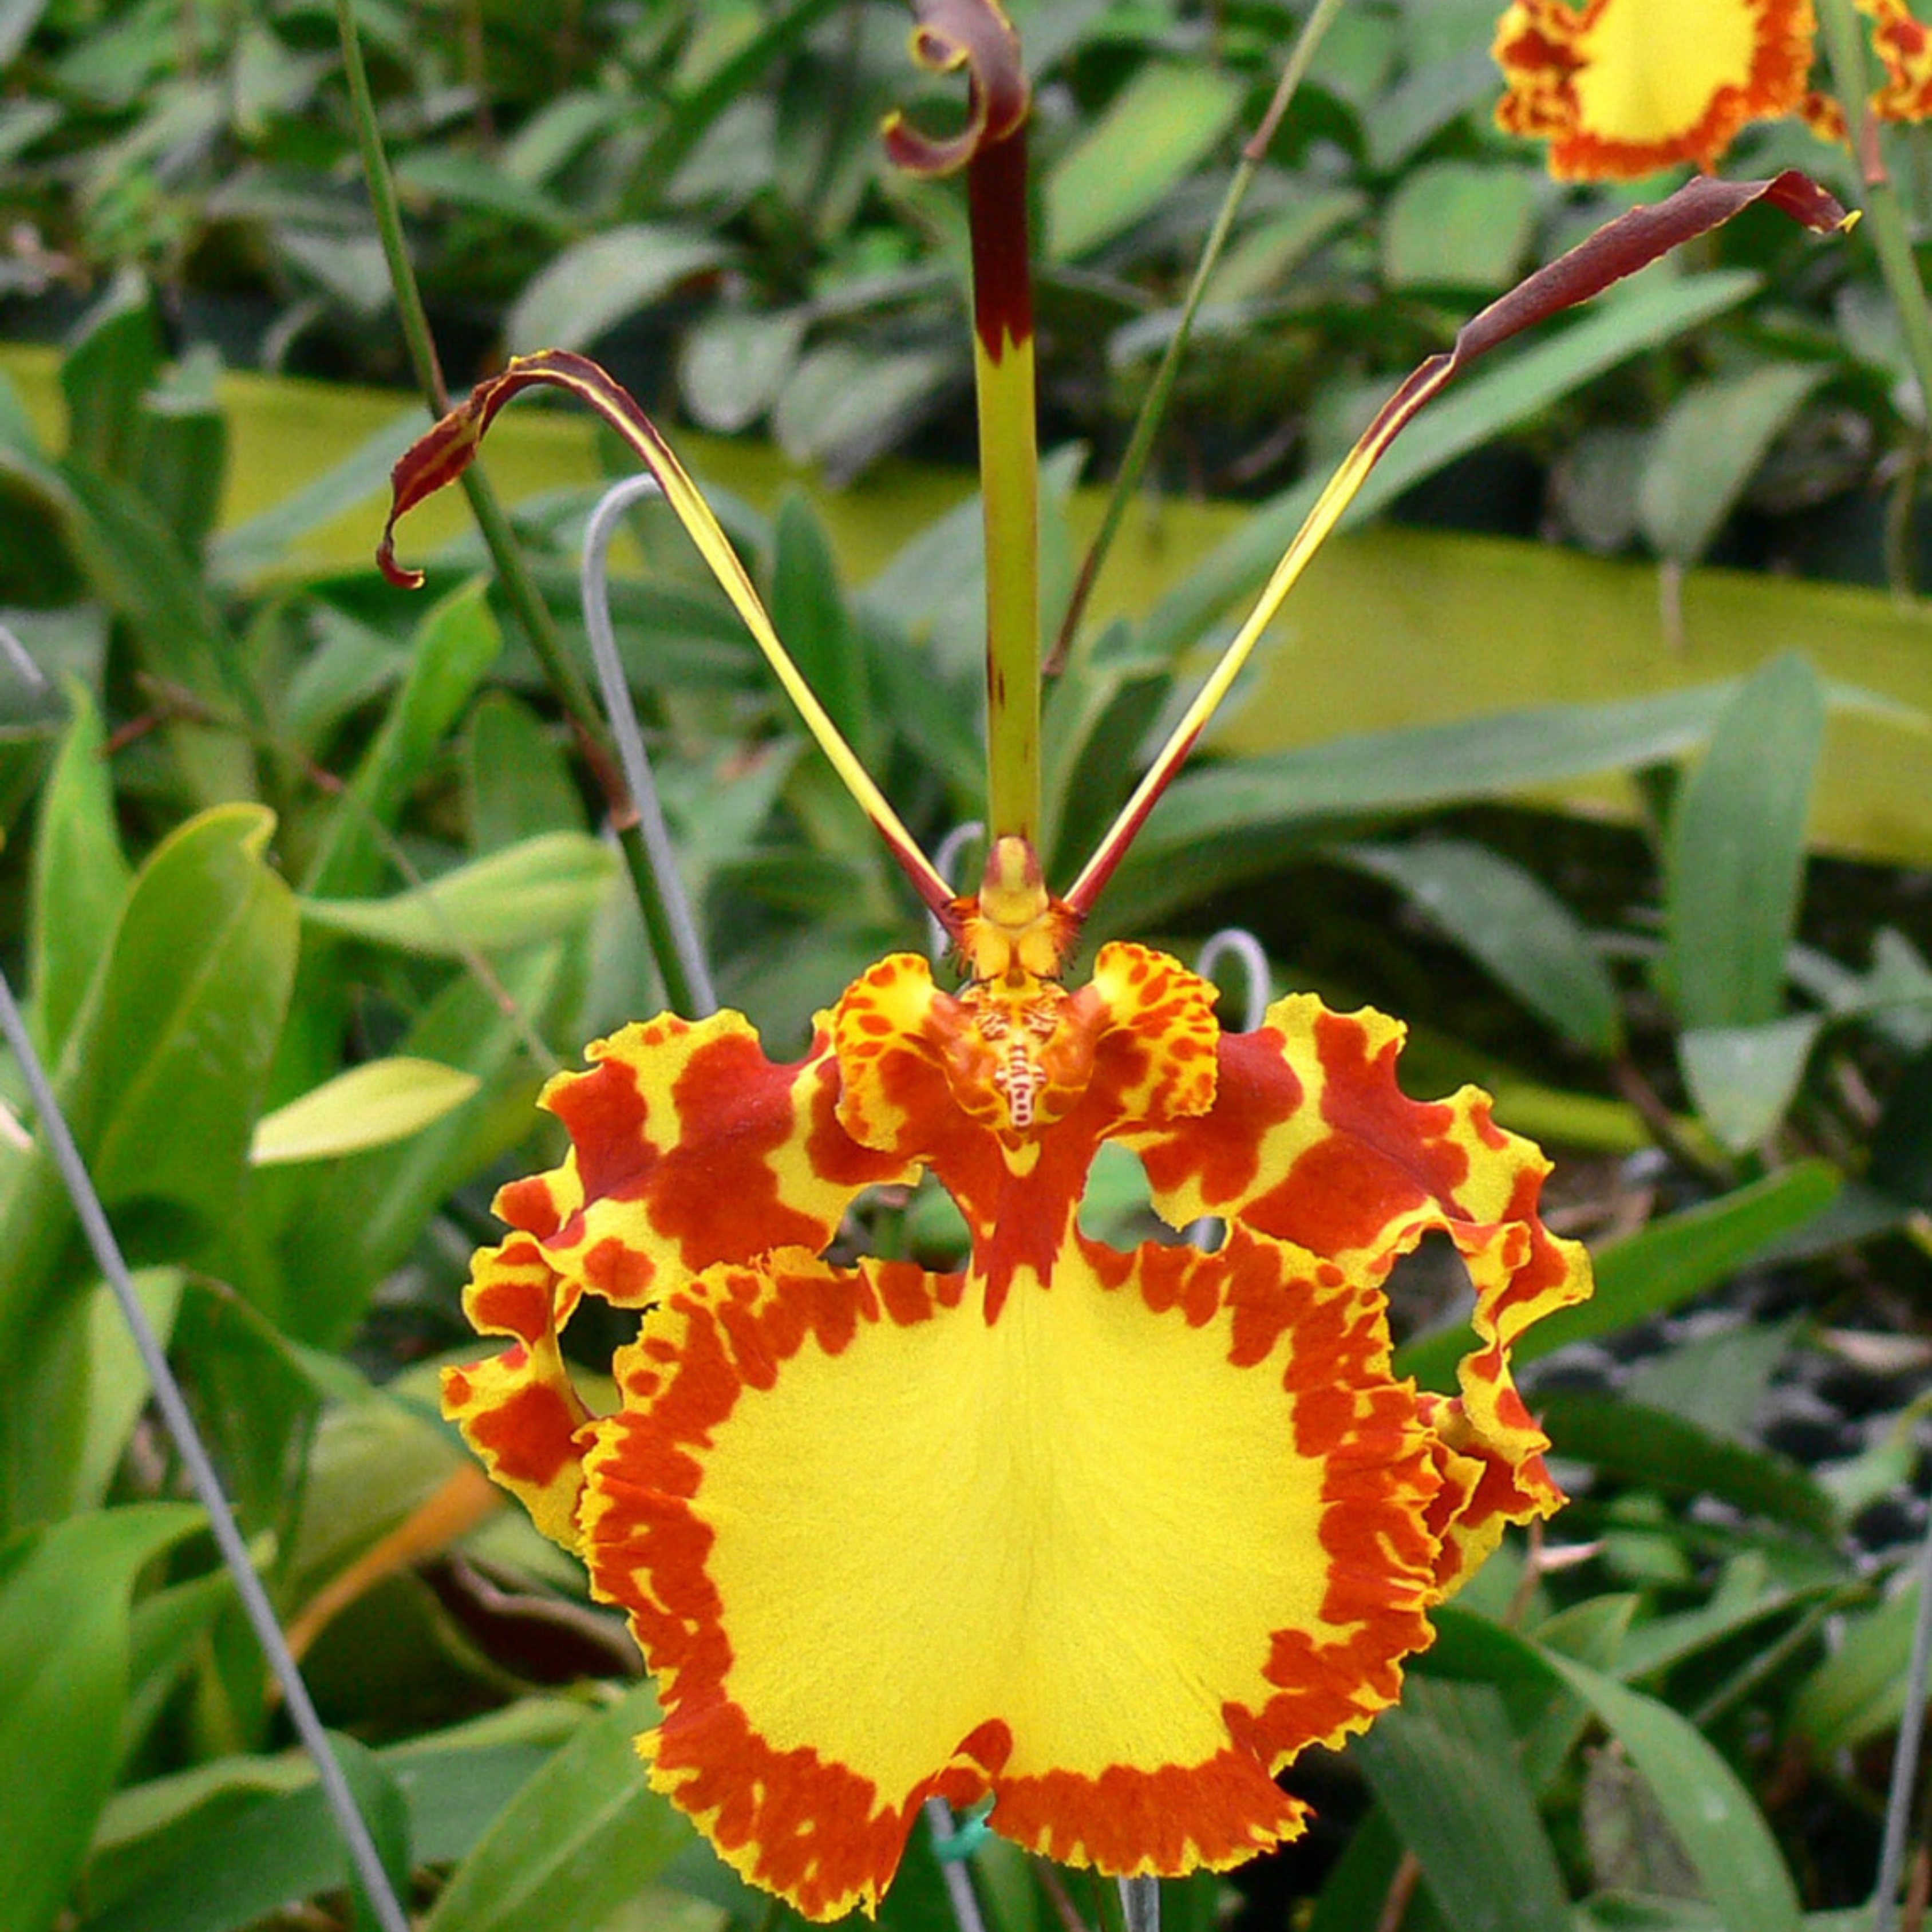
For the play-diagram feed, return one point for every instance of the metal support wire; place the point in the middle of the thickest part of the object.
(953, 1847)
(938, 940)
(595, 581)
(1236, 942)
(173, 1406)
(1905, 1756)
(1140, 1904)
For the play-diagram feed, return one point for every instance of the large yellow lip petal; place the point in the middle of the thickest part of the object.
(1115, 1556)
(1621, 87)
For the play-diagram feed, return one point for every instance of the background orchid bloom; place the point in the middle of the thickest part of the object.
(1621, 87)
(1110, 1537)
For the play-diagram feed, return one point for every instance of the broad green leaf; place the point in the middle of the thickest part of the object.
(105, 371)
(543, 886)
(583, 1835)
(183, 447)
(161, 1080)
(1444, 1765)
(245, 551)
(809, 611)
(1721, 1830)
(596, 284)
(515, 775)
(247, 1851)
(1744, 1078)
(386, 1811)
(842, 407)
(1505, 919)
(1735, 856)
(138, 567)
(353, 1221)
(1858, 1692)
(64, 1643)
(1650, 309)
(1651, 1445)
(1226, 822)
(118, 1385)
(370, 1105)
(1709, 448)
(732, 365)
(454, 646)
(1459, 225)
(1158, 128)
(79, 877)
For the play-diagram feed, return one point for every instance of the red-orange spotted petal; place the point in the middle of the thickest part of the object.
(518, 1411)
(688, 1148)
(1310, 1140)
(1904, 47)
(1114, 1557)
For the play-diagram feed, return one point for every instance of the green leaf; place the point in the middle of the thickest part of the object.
(545, 885)
(370, 1105)
(1160, 127)
(1504, 918)
(1229, 821)
(104, 374)
(808, 610)
(1459, 225)
(1721, 1830)
(160, 1081)
(1744, 1078)
(1710, 447)
(64, 1646)
(1652, 1445)
(1444, 1765)
(596, 284)
(118, 1385)
(1736, 853)
(386, 1811)
(732, 365)
(183, 449)
(583, 1835)
(516, 776)
(454, 647)
(1650, 309)
(1857, 1693)
(79, 877)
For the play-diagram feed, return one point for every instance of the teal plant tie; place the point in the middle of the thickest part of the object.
(970, 1830)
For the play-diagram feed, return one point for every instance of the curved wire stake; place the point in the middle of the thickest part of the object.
(946, 1835)
(1236, 942)
(1140, 1904)
(938, 941)
(1905, 1758)
(227, 1533)
(1231, 942)
(594, 579)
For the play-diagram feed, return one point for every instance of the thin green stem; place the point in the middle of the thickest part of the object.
(1884, 209)
(1153, 405)
(566, 683)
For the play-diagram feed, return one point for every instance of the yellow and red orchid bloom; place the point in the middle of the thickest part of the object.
(1621, 87)
(1109, 1537)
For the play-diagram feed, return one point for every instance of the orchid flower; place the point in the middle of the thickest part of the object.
(1621, 87)
(1109, 1537)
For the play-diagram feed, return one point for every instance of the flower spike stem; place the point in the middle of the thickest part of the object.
(1632, 242)
(975, 37)
(1003, 360)
(1154, 404)
(519, 588)
(363, 1858)
(1892, 240)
